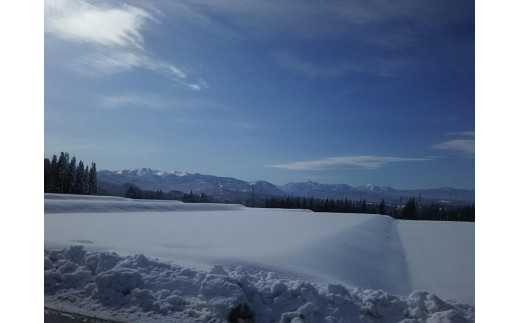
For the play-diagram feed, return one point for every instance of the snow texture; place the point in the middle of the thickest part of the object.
(137, 288)
(329, 251)
(64, 203)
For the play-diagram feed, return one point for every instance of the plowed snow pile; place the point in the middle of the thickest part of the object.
(169, 261)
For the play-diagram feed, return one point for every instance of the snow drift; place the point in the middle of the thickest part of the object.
(64, 203)
(136, 288)
(273, 249)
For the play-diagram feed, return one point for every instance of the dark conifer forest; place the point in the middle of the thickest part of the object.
(412, 210)
(67, 176)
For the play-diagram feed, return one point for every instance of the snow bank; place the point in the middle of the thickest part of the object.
(429, 246)
(137, 288)
(355, 250)
(64, 203)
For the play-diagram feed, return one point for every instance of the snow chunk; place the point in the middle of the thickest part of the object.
(278, 288)
(337, 289)
(47, 263)
(217, 270)
(119, 280)
(136, 288)
(76, 254)
(221, 294)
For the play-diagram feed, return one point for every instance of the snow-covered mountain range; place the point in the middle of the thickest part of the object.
(232, 189)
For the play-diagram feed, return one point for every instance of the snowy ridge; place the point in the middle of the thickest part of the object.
(62, 203)
(136, 288)
(230, 189)
(148, 171)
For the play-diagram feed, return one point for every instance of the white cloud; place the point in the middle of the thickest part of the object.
(463, 133)
(336, 68)
(101, 63)
(347, 162)
(308, 68)
(465, 147)
(83, 22)
(462, 146)
(153, 101)
(113, 39)
(131, 100)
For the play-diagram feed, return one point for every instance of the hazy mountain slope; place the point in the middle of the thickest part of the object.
(222, 188)
(232, 189)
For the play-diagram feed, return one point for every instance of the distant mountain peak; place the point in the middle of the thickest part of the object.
(228, 188)
(148, 172)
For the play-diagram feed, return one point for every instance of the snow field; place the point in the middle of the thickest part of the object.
(137, 288)
(211, 260)
(441, 257)
(65, 203)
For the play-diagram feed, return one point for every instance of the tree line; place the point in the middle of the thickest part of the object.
(435, 211)
(67, 176)
(133, 191)
(412, 210)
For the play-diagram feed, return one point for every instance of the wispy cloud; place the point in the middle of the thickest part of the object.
(394, 38)
(153, 101)
(131, 100)
(112, 39)
(311, 69)
(336, 68)
(462, 133)
(461, 146)
(465, 147)
(347, 162)
(102, 63)
(80, 21)
(321, 19)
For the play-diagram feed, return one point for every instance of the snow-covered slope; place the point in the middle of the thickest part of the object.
(317, 190)
(62, 203)
(221, 188)
(377, 189)
(429, 246)
(355, 250)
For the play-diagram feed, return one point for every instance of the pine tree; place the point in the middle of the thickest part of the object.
(70, 174)
(54, 174)
(62, 169)
(47, 182)
(364, 206)
(86, 187)
(92, 179)
(410, 210)
(79, 184)
(382, 207)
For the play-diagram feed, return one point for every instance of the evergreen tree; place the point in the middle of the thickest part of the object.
(61, 175)
(364, 206)
(434, 212)
(54, 174)
(70, 174)
(92, 179)
(410, 210)
(47, 181)
(62, 169)
(86, 187)
(79, 184)
(382, 207)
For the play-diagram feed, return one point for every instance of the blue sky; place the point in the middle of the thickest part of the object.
(351, 92)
